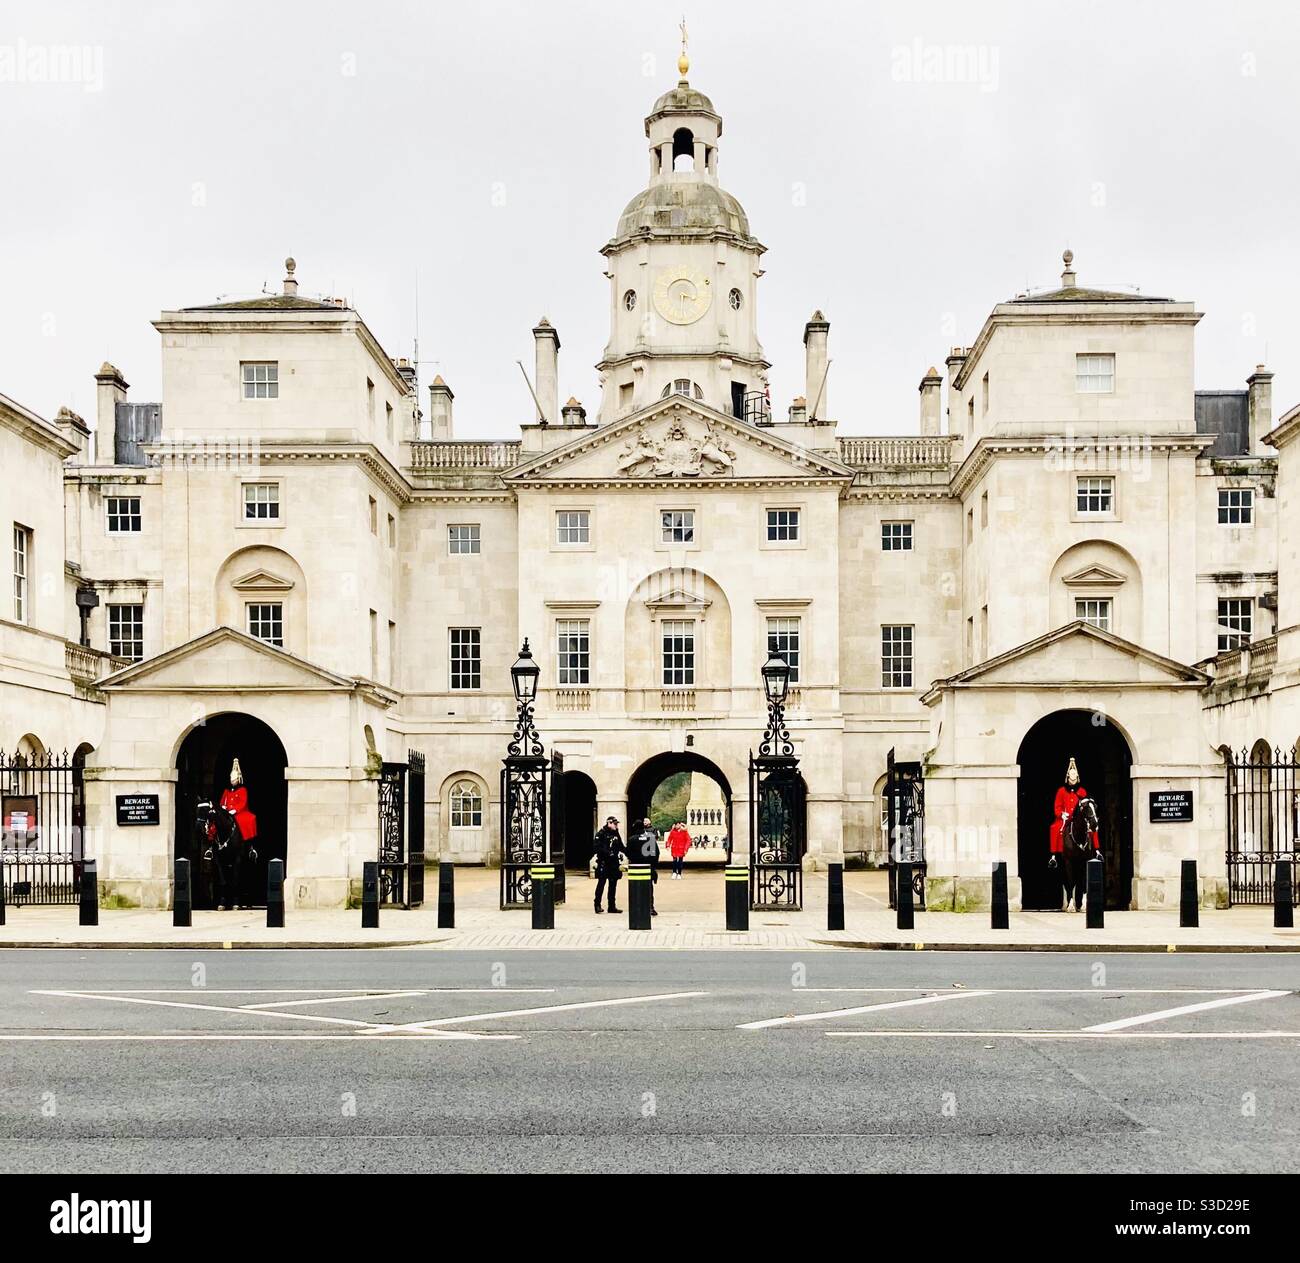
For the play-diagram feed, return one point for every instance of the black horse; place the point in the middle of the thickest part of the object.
(222, 852)
(1076, 841)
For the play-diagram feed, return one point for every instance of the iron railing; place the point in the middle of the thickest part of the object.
(1263, 821)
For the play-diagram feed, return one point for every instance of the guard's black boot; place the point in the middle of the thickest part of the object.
(599, 908)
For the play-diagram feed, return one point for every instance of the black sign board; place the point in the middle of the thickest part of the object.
(1171, 806)
(137, 809)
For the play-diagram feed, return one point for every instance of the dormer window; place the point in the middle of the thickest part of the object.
(683, 386)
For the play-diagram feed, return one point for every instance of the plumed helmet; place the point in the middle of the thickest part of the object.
(1072, 772)
(237, 775)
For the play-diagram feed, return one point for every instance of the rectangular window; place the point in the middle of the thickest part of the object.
(392, 652)
(465, 659)
(22, 572)
(782, 525)
(1093, 610)
(679, 653)
(970, 411)
(896, 657)
(123, 515)
(126, 631)
(896, 537)
(1236, 622)
(261, 380)
(1095, 495)
(573, 526)
(463, 538)
(374, 645)
(370, 401)
(677, 526)
(783, 639)
(984, 509)
(388, 420)
(1094, 374)
(1236, 506)
(261, 502)
(573, 651)
(984, 406)
(266, 622)
(392, 531)
(374, 515)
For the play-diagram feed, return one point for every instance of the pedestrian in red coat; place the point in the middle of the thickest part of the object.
(679, 842)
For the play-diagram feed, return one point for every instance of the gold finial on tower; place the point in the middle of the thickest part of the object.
(683, 62)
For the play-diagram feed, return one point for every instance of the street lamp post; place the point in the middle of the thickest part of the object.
(525, 775)
(777, 803)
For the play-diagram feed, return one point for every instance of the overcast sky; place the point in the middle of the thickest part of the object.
(487, 149)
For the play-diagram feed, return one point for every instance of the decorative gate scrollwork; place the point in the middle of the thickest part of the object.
(392, 834)
(1263, 824)
(525, 819)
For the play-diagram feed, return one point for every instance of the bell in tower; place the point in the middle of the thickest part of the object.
(683, 271)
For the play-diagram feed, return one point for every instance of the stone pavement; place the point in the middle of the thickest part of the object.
(691, 917)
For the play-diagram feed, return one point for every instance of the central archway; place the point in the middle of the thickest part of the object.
(662, 768)
(203, 773)
(1105, 770)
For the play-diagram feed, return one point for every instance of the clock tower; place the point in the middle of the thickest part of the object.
(683, 270)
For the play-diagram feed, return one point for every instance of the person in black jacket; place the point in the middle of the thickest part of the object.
(609, 848)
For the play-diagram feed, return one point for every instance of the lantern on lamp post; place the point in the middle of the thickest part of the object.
(525, 779)
(777, 803)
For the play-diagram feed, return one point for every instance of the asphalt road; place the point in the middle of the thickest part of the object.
(647, 1061)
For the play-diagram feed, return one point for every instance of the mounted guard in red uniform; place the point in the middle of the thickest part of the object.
(235, 801)
(1068, 797)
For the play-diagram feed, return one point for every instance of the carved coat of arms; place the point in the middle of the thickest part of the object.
(678, 454)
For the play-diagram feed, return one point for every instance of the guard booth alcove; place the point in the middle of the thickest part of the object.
(401, 832)
(778, 805)
(905, 822)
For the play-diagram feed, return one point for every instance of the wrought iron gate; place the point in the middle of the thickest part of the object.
(524, 785)
(401, 832)
(42, 827)
(1263, 821)
(905, 818)
(777, 820)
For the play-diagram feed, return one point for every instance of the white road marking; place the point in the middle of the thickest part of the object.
(218, 1037)
(1047, 1034)
(550, 1008)
(307, 991)
(207, 1008)
(333, 999)
(1162, 1014)
(866, 1008)
(1044, 990)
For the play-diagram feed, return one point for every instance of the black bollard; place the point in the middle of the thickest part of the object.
(1096, 889)
(542, 898)
(182, 904)
(1189, 912)
(275, 895)
(835, 897)
(737, 898)
(638, 897)
(89, 893)
(446, 895)
(370, 895)
(1001, 902)
(903, 897)
(1283, 898)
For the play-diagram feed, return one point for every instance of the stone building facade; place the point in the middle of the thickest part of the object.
(296, 562)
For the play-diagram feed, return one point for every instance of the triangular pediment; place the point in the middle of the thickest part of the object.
(225, 660)
(1094, 577)
(678, 442)
(1073, 655)
(679, 599)
(262, 581)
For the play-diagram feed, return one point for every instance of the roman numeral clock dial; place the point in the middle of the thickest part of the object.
(682, 295)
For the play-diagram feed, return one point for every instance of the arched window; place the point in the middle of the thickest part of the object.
(466, 806)
(682, 386)
(683, 150)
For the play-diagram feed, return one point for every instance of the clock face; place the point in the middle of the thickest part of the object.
(682, 295)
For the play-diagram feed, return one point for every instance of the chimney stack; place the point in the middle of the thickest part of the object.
(73, 428)
(816, 365)
(574, 413)
(955, 362)
(440, 398)
(931, 385)
(110, 390)
(798, 413)
(547, 343)
(290, 281)
(1260, 383)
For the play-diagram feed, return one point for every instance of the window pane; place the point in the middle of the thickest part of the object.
(573, 526)
(677, 526)
(22, 554)
(126, 631)
(261, 501)
(266, 622)
(783, 639)
(123, 514)
(1236, 506)
(896, 536)
(679, 653)
(261, 381)
(465, 657)
(782, 525)
(1095, 495)
(466, 806)
(573, 651)
(1093, 610)
(896, 657)
(463, 539)
(1094, 374)
(1236, 619)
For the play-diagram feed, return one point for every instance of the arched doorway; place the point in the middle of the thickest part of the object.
(203, 773)
(579, 792)
(1105, 763)
(661, 788)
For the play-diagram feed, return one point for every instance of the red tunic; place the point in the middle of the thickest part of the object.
(235, 801)
(679, 843)
(1066, 801)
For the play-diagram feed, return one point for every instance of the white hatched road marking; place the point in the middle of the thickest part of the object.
(1084, 1034)
(207, 1008)
(1159, 1016)
(549, 1008)
(1042, 990)
(866, 1008)
(218, 1036)
(333, 999)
